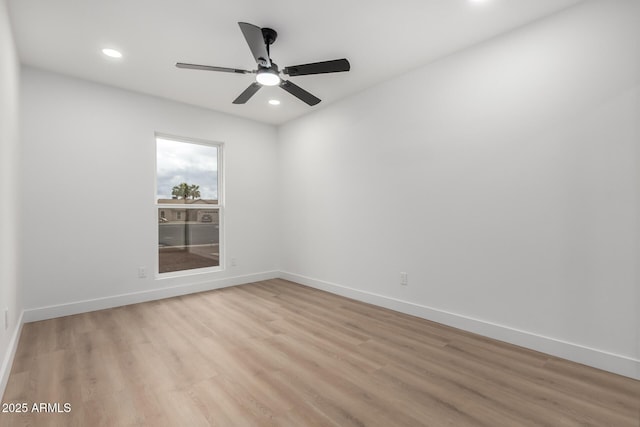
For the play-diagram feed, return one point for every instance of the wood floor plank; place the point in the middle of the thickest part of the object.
(275, 353)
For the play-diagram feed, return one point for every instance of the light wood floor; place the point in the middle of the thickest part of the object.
(275, 353)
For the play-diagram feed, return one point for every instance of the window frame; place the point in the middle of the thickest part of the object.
(219, 207)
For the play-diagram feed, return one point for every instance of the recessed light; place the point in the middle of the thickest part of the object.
(112, 53)
(274, 102)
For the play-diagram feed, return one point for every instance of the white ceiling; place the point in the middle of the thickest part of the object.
(381, 39)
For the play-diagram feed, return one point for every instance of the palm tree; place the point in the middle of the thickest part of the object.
(194, 191)
(181, 191)
(186, 191)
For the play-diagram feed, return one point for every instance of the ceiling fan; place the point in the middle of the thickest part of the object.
(268, 74)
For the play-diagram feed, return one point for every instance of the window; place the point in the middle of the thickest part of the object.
(188, 201)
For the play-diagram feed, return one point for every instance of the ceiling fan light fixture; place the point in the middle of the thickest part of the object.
(268, 77)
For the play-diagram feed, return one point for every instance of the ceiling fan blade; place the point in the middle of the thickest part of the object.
(212, 68)
(334, 66)
(248, 93)
(255, 40)
(299, 93)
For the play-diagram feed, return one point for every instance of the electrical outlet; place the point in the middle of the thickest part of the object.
(142, 272)
(234, 262)
(404, 279)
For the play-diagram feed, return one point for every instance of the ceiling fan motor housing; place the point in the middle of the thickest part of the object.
(274, 67)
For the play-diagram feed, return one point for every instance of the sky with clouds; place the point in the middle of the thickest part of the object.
(195, 164)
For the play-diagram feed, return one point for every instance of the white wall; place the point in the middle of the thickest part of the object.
(503, 179)
(87, 184)
(10, 291)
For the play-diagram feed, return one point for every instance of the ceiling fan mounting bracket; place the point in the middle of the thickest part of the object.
(270, 35)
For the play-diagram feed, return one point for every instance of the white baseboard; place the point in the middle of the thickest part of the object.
(596, 358)
(7, 363)
(77, 307)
